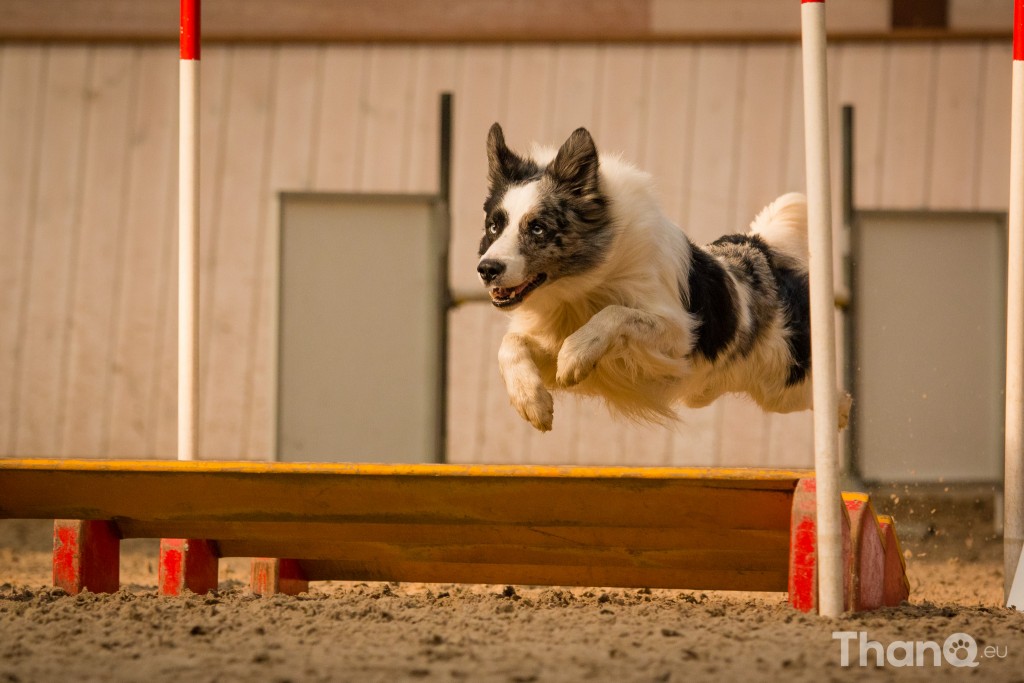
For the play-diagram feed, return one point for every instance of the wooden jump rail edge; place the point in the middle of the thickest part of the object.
(691, 528)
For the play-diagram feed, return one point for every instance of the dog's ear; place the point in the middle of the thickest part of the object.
(576, 165)
(504, 165)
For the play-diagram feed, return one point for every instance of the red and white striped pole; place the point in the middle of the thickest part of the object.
(822, 291)
(1013, 482)
(188, 233)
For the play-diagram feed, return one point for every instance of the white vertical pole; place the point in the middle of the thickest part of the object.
(823, 333)
(1013, 482)
(188, 232)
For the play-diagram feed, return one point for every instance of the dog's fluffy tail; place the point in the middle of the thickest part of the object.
(783, 225)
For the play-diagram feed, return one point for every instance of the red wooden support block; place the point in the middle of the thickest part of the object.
(271, 575)
(867, 553)
(187, 564)
(86, 556)
(803, 550)
(896, 587)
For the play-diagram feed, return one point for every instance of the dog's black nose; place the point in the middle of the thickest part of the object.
(489, 269)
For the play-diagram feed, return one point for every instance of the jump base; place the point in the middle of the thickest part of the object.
(681, 528)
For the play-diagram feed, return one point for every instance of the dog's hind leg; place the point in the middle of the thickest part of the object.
(523, 381)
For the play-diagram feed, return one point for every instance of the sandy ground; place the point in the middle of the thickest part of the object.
(388, 632)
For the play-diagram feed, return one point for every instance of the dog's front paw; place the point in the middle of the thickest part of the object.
(578, 357)
(535, 405)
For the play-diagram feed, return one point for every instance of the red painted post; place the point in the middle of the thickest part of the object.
(896, 587)
(867, 553)
(803, 550)
(86, 556)
(187, 564)
(271, 575)
(803, 580)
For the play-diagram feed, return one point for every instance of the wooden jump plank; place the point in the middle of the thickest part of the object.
(328, 534)
(577, 575)
(660, 527)
(696, 528)
(414, 494)
(514, 554)
(760, 477)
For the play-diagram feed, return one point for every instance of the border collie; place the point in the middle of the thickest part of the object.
(609, 298)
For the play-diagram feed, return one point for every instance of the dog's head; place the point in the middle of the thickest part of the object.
(543, 222)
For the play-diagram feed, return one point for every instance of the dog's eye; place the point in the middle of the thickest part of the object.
(537, 228)
(492, 228)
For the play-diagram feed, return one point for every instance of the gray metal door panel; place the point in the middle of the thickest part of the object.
(360, 355)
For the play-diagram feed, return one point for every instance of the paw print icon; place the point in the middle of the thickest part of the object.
(960, 649)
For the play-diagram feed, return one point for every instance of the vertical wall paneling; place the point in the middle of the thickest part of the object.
(148, 234)
(794, 165)
(790, 441)
(763, 130)
(236, 245)
(529, 108)
(87, 278)
(909, 115)
(43, 332)
(670, 125)
(57, 422)
(952, 159)
(338, 122)
(96, 273)
(620, 122)
(22, 92)
(577, 83)
(993, 177)
(385, 143)
(864, 86)
(714, 151)
(435, 71)
(469, 358)
(294, 98)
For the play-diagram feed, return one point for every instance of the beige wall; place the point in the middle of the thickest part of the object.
(87, 210)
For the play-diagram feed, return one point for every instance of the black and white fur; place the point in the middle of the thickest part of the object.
(609, 298)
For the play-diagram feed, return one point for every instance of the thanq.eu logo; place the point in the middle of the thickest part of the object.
(959, 649)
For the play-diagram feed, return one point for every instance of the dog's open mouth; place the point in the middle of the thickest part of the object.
(503, 297)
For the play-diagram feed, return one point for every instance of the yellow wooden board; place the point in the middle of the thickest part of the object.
(694, 528)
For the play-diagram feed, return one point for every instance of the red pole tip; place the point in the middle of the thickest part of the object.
(804, 2)
(190, 14)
